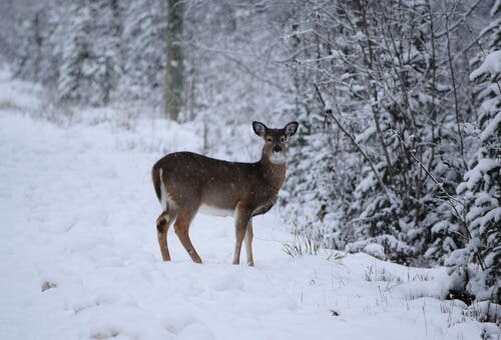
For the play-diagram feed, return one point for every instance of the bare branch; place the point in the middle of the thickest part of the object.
(449, 29)
(355, 144)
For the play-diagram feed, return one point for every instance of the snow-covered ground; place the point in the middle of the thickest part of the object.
(79, 256)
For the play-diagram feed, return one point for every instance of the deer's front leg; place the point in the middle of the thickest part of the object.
(243, 216)
(248, 243)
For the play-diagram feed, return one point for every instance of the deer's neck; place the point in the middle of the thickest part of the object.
(273, 173)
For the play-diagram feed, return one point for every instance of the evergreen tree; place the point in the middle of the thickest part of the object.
(28, 60)
(51, 47)
(319, 200)
(144, 46)
(174, 75)
(90, 59)
(477, 267)
(75, 54)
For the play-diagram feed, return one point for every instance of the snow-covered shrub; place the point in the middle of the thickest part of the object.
(310, 190)
(388, 152)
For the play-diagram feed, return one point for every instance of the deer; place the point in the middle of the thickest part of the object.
(186, 183)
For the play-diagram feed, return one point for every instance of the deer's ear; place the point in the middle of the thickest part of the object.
(291, 128)
(259, 128)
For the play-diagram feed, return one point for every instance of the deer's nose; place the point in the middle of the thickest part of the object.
(277, 148)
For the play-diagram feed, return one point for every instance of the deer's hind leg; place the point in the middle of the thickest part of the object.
(181, 227)
(163, 222)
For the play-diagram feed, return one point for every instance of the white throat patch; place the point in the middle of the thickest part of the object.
(277, 158)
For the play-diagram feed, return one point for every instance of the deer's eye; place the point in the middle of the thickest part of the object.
(283, 139)
(269, 139)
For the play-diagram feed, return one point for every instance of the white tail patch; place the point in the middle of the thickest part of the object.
(164, 196)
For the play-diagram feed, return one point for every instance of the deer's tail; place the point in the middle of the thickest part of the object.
(156, 174)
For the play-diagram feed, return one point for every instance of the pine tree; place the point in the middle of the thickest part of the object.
(51, 49)
(174, 75)
(90, 64)
(27, 64)
(75, 53)
(309, 197)
(477, 267)
(144, 46)
(317, 184)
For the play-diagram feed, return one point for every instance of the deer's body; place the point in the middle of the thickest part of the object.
(217, 186)
(186, 183)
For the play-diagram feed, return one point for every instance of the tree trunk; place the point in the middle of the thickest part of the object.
(174, 69)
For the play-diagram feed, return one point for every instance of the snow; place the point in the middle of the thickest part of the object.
(25, 94)
(473, 176)
(79, 256)
(493, 125)
(491, 65)
(496, 7)
(375, 250)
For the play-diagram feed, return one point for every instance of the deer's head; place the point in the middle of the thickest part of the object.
(275, 140)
